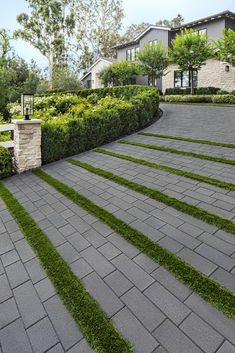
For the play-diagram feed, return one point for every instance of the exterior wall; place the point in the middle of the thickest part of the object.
(229, 23)
(121, 53)
(214, 28)
(155, 34)
(85, 81)
(96, 83)
(212, 74)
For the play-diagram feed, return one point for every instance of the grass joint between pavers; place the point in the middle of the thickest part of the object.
(184, 153)
(94, 324)
(222, 298)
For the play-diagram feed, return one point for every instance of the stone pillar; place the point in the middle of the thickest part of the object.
(27, 144)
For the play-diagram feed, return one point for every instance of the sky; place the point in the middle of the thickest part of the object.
(136, 11)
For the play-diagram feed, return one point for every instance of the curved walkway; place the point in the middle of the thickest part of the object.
(155, 311)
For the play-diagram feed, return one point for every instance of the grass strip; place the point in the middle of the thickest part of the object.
(206, 142)
(198, 177)
(96, 327)
(222, 298)
(206, 104)
(225, 224)
(185, 153)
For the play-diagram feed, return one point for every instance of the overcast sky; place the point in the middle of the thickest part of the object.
(135, 11)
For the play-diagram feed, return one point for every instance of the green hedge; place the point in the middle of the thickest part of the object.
(197, 90)
(5, 163)
(222, 99)
(63, 139)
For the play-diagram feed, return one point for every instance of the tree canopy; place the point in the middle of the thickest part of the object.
(226, 46)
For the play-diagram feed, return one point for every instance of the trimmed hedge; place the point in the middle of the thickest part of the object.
(220, 99)
(198, 91)
(94, 128)
(5, 163)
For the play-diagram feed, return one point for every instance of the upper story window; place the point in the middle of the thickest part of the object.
(131, 54)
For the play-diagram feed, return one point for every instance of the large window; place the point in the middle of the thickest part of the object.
(182, 79)
(131, 54)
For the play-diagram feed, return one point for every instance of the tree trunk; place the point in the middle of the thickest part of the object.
(192, 83)
(153, 79)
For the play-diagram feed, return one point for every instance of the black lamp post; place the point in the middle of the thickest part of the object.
(27, 105)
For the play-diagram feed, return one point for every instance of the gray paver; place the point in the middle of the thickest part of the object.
(148, 314)
(216, 256)
(99, 290)
(200, 263)
(5, 290)
(109, 251)
(45, 289)
(133, 272)
(78, 241)
(24, 250)
(68, 252)
(132, 329)
(146, 263)
(226, 348)
(16, 274)
(35, 270)
(119, 283)
(174, 340)
(5, 243)
(97, 261)
(29, 304)
(201, 333)
(14, 339)
(167, 302)
(225, 278)
(42, 336)
(81, 268)
(65, 327)
(127, 248)
(56, 349)
(9, 312)
(9, 258)
(81, 347)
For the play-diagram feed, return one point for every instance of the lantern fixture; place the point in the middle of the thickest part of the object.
(27, 105)
(227, 68)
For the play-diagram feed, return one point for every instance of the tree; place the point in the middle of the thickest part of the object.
(153, 61)
(66, 80)
(46, 29)
(98, 23)
(133, 31)
(190, 51)
(119, 73)
(226, 46)
(175, 22)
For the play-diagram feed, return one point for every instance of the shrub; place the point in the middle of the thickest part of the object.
(93, 98)
(188, 99)
(220, 91)
(225, 98)
(207, 90)
(5, 163)
(233, 93)
(120, 111)
(197, 91)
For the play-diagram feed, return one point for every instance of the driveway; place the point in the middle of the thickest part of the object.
(149, 306)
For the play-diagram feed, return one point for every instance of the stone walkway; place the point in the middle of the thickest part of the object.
(148, 305)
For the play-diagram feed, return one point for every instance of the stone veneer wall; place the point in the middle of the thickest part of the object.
(27, 144)
(212, 74)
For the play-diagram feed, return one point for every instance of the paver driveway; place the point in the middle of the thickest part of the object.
(148, 305)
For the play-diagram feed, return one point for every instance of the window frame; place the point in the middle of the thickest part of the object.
(182, 78)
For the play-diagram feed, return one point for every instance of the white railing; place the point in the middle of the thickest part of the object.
(7, 127)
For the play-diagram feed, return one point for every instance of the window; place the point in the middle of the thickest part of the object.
(131, 54)
(182, 79)
(150, 81)
(88, 83)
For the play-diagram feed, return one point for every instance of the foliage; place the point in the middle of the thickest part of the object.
(119, 111)
(64, 79)
(5, 163)
(153, 61)
(222, 99)
(197, 90)
(98, 23)
(119, 73)
(46, 29)
(190, 51)
(175, 22)
(226, 46)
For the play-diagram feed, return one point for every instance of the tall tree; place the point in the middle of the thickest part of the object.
(133, 31)
(46, 28)
(97, 25)
(175, 22)
(190, 51)
(153, 61)
(226, 46)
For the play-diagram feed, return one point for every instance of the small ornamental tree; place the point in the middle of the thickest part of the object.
(153, 61)
(190, 51)
(226, 46)
(119, 73)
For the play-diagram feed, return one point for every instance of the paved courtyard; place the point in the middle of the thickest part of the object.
(149, 306)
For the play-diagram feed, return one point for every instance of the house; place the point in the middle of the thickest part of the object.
(91, 78)
(215, 73)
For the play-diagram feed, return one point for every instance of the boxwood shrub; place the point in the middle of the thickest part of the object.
(5, 163)
(61, 139)
(197, 91)
(220, 99)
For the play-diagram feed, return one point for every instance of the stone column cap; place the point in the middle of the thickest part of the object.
(23, 121)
